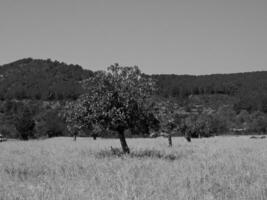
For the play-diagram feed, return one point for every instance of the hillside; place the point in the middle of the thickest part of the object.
(231, 84)
(248, 89)
(41, 80)
(37, 79)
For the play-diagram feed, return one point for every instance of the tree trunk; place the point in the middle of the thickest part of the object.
(124, 145)
(94, 136)
(170, 140)
(188, 136)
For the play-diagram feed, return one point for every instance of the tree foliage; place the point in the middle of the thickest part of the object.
(116, 99)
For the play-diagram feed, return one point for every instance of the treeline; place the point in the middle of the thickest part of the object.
(249, 89)
(230, 84)
(41, 80)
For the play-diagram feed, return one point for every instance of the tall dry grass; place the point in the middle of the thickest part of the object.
(59, 168)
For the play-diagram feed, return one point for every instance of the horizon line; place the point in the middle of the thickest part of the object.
(84, 68)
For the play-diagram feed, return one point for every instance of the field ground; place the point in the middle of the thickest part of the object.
(59, 168)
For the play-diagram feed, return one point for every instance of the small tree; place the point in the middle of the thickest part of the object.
(184, 123)
(166, 113)
(114, 100)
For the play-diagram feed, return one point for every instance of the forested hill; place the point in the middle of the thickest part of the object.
(231, 84)
(250, 88)
(41, 79)
(52, 80)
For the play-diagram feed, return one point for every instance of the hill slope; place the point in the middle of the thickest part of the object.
(249, 89)
(41, 79)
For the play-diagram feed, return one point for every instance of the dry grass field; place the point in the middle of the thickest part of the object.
(59, 168)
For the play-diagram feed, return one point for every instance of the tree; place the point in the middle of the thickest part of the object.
(167, 113)
(203, 126)
(25, 124)
(115, 99)
(182, 126)
(50, 124)
(259, 122)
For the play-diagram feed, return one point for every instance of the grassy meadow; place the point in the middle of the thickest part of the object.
(59, 168)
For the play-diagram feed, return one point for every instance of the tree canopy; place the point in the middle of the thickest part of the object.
(116, 99)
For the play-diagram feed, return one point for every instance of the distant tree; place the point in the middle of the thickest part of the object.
(114, 100)
(75, 131)
(226, 116)
(182, 126)
(259, 122)
(25, 124)
(189, 127)
(203, 126)
(51, 125)
(195, 125)
(218, 125)
(171, 122)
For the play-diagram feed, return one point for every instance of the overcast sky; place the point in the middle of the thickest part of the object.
(160, 36)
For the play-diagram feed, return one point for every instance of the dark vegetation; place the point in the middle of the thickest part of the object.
(248, 89)
(41, 80)
(25, 124)
(34, 94)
